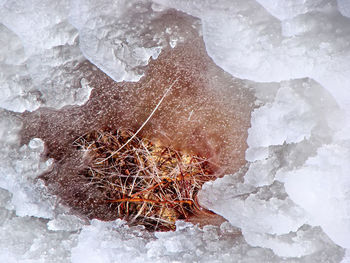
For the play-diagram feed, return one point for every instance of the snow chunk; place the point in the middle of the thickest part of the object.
(296, 113)
(16, 86)
(288, 119)
(27, 239)
(65, 222)
(325, 183)
(344, 7)
(116, 242)
(19, 168)
(284, 9)
(121, 36)
(249, 43)
(110, 242)
(265, 210)
(268, 218)
(48, 47)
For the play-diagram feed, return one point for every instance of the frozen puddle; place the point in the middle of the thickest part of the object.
(269, 107)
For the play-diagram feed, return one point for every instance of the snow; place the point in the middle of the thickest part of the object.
(14, 95)
(325, 181)
(118, 36)
(344, 7)
(285, 9)
(110, 35)
(291, 201)
(27, 239)
(116, 242)
(248, 42)
(41, 59)
(19, 168)
(274, 41)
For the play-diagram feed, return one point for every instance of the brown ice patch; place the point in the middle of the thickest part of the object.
(206, 113)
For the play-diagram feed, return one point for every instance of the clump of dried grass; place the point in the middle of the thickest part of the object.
(151, 184)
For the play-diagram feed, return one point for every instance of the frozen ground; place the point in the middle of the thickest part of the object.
(293, 204)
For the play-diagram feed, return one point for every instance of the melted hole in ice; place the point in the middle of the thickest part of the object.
(207, 113)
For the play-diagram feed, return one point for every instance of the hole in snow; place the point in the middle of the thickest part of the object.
(206, 113)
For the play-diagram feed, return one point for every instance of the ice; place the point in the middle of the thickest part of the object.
(280, 121)
(346, 258)
(47, 72)
(291, 117)
(285, 9)
(65, 222)
(277, 41)
(344, 7)
(27, 239)
(121, 36)
(290, 202)
(110, 36)
(249, 43)
(194, 117)
(116, 242)
(266, 210)
(19, 168)
(253, 209)
(325, 183)
(15, 82)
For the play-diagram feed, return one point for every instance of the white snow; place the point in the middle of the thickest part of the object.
(110, 35)
(344, 7)
(27, 239)
(248, 42)
(41, 55)
(291, 200)
(277, 41)
(116, 242)
(324, 192)
(19, 168)
(121, 36)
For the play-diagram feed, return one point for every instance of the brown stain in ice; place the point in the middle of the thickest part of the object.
(207, 112)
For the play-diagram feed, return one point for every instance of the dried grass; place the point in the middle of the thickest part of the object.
(151, 184)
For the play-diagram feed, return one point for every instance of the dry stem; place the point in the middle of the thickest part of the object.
(150, 184)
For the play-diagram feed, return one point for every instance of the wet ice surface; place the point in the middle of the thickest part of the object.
(188, 120)
(121, 36)
(290, 200)
(40, 58)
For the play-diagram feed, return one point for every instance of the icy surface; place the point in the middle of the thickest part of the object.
(116, 242)
(121, 36)
(18, 169)
(111, 32)
(292, 198)
(276, 41)
(344, 7)
(27, 239)
(325, 183)
(285, 9)
(15, 81)
(248, 42)
(41, 56)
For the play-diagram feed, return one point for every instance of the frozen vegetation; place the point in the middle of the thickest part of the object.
(289, 203)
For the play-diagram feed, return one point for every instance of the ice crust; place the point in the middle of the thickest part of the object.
(116, 242)
(344, 7)
(291, 201)
(27, 239)
(110, 35)
(276, 41)
(250, 43)
(19, 168)
(41, 56)
(121, 36)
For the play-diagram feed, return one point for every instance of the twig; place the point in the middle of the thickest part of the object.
(145, 122)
